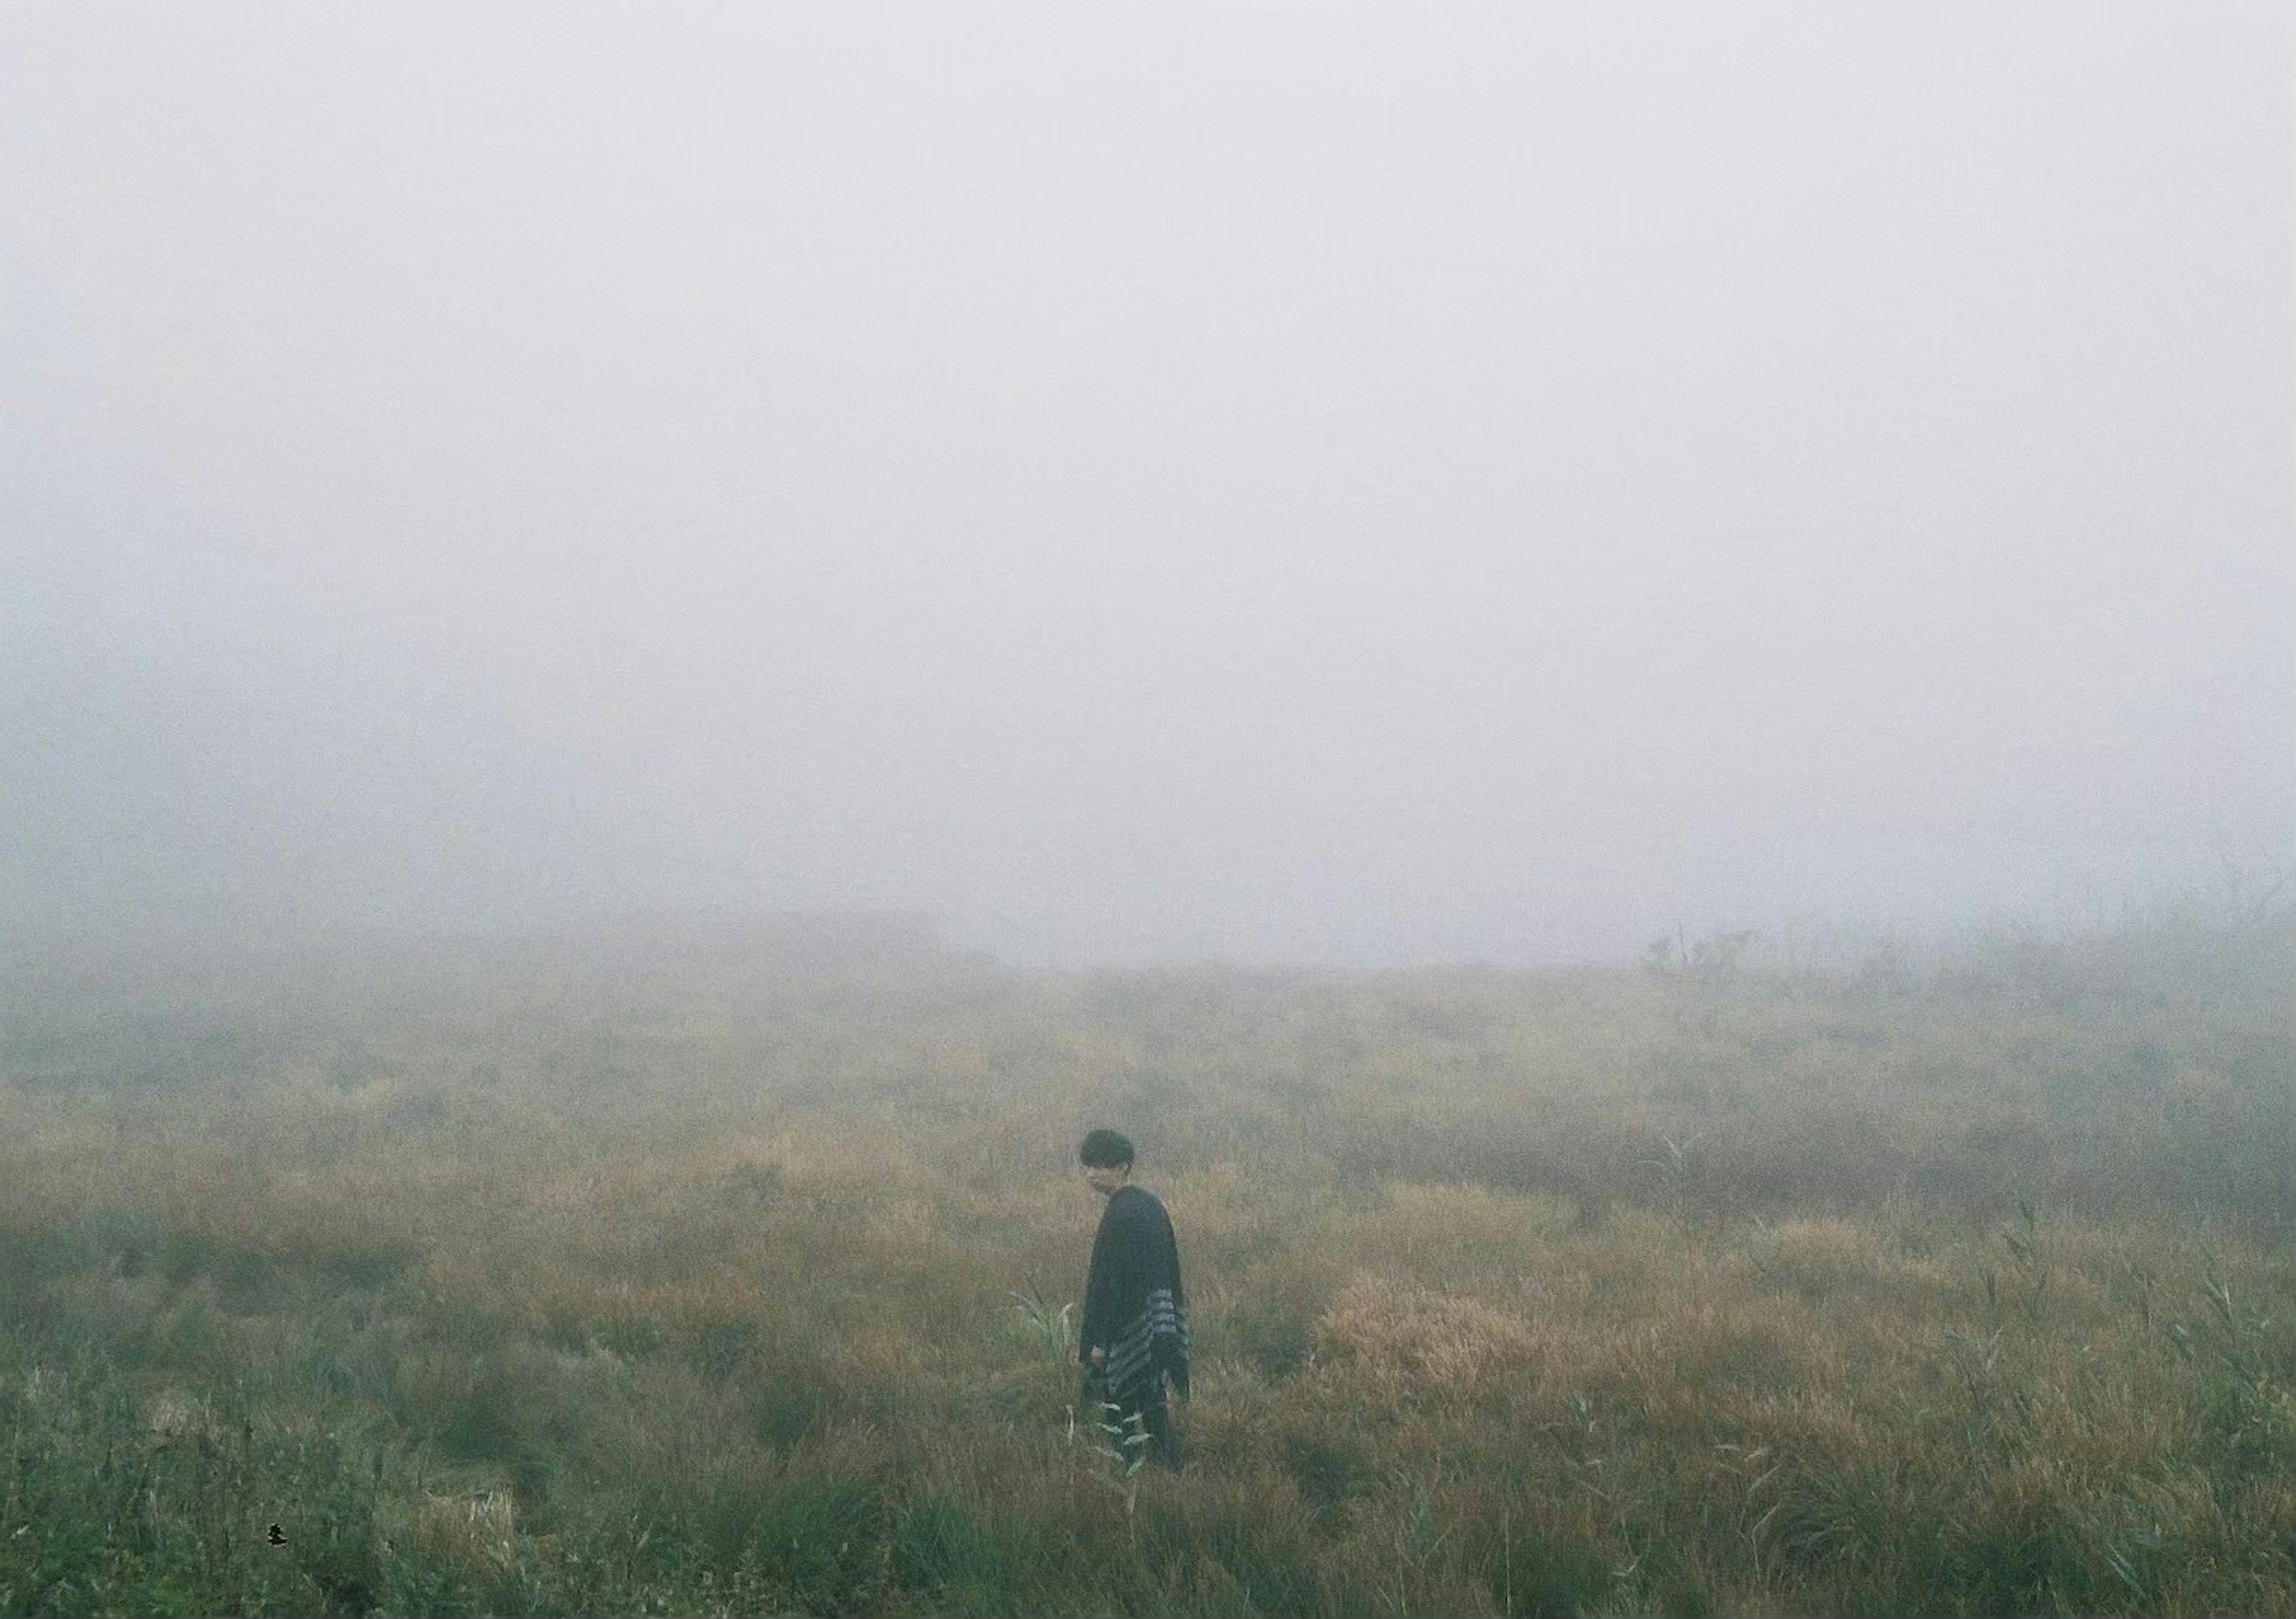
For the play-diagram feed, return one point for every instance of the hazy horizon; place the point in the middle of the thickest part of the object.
(1256, 484)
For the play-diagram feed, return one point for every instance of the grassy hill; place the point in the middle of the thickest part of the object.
(714, 1276)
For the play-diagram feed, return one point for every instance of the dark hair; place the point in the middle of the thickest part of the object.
(1105, 1150)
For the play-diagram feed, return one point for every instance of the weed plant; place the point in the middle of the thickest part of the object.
(722, 1285)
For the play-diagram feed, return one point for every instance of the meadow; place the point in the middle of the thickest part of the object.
(707, 1278)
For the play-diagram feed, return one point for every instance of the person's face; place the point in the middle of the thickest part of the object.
(1104, 1179)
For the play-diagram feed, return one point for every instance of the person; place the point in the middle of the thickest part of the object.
(1134, 1338)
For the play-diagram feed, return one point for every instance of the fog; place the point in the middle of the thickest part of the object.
(1259, 483)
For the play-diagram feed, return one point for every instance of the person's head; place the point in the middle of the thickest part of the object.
(1107, 1159)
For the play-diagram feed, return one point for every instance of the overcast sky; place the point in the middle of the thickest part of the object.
(1260, 482)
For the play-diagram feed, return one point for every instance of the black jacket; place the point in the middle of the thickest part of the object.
(1135, 1307)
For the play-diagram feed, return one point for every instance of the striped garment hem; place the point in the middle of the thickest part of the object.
(1156, 1340)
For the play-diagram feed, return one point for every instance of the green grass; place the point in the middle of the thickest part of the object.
(1955, 1289)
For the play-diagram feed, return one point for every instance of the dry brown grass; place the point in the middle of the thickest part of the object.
(1513, 1294)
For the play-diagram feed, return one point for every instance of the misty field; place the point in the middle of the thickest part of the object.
(696, 1279)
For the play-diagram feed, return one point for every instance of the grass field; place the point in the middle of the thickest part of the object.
(690, 1281)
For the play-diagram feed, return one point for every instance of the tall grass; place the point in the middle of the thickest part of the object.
(1964, 1287)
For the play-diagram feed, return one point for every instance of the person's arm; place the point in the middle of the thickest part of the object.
(1115, 1263)
(1097, 1323)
